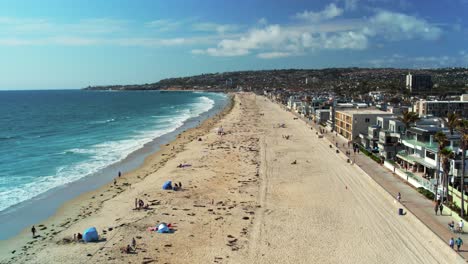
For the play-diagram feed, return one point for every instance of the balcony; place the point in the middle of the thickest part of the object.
(415, 144)
(414, 158)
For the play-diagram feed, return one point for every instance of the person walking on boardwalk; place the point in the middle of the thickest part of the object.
(398, 197)
(459, 243)
(451, 242)
(460, 226)
(33, 231)
(441, 208)
(436, 208)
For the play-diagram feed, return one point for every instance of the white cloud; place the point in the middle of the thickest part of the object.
(28, 26)
(262, 21)
(351, 4)
(417, 62)
(330, 11)
(95, 41)
(398, 26)
(164, 24)
(346, 40)
(274, 55)
(274, 41)
(221, 53)
(214, 27)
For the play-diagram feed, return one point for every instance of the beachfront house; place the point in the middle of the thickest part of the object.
(322, 115)
(351, 123)
(383, 137)
(389, 138)
(293, 103)
(441, 108)
(420, 154)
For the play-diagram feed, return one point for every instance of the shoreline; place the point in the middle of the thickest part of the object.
(156, 153)
(46, 204)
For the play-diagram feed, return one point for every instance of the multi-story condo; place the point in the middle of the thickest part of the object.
(441, 108)
(322, 115)
(418, 83)
(383, 137)
(420, 153)
(350, 123)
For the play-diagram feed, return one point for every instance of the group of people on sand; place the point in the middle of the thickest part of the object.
(286, 136)
(177, 187)
(77, 237)
(129, 248)
(139, 204)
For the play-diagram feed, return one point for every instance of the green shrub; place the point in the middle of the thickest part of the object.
(370, 155)
(425, 192)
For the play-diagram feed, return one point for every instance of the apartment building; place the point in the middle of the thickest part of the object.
(350, 123)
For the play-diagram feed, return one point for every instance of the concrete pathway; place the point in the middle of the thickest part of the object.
(413, 201)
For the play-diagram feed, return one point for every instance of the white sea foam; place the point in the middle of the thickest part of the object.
(102, 155)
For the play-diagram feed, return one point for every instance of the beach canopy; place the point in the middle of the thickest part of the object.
(163, 228)
(167, 185)
(90, 235)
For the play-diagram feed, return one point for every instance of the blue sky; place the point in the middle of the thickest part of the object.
(72, 44)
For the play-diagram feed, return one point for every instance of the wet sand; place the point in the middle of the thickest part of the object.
(242, 202)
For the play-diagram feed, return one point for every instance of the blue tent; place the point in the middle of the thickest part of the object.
(90, 235)
(163, 228)
(167, 185)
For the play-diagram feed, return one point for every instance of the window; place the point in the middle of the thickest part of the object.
(367, 120)
(430, 155)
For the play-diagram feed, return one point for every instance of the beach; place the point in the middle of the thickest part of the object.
(248, 196)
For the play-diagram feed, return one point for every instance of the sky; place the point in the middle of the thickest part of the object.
(56, 44)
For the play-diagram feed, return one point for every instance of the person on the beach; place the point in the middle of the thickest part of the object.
(74, 237)
(33, 231)
(441, 208)
(120, 174)
(451, 226)
(176, 187)
(451, 242)
(79, 236)
(180, 185)
(129, 249)
(136, 203)
(133, 243)
(459, 243)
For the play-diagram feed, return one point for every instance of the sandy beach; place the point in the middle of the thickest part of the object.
(243, 201)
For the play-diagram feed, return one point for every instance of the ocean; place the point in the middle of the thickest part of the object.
(51, 138)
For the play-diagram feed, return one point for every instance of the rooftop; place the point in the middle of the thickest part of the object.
(366, 111)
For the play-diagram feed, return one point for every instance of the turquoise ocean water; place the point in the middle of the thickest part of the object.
(52, 138)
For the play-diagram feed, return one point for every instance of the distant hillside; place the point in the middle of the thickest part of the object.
(338, 79)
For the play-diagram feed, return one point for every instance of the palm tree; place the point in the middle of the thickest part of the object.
(441, 139)
(408, 118)
(462, 127)
(452, 122)
(446, 155)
